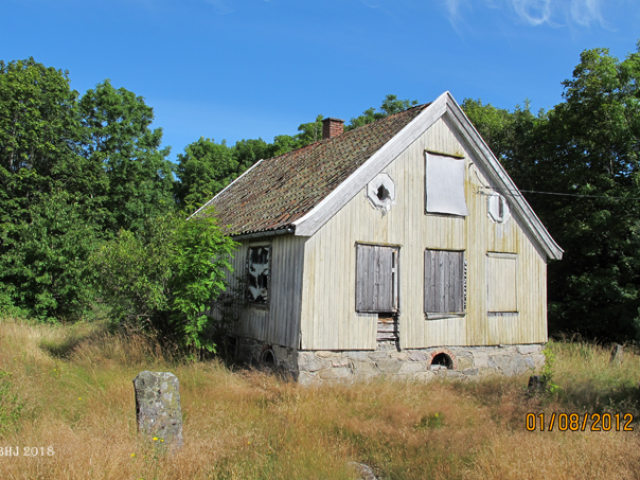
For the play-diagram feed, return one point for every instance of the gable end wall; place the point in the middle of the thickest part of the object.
(328, 317)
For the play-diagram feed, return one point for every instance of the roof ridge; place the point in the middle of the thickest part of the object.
(295, 182)
(421, 106)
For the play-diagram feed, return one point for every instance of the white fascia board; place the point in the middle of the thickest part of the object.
(444, 106)
(310, 223)
(225, 188)
(498, 175)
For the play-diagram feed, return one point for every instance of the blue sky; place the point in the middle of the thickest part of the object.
(233, 69)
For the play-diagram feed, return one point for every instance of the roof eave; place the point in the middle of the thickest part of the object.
(263, 234)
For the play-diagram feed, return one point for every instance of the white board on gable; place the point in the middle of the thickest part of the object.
(445, 185)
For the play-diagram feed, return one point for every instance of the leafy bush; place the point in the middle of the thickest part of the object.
(43, 259)
(165, 278)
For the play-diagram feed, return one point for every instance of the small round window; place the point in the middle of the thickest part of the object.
(498, 208)
(381, 192)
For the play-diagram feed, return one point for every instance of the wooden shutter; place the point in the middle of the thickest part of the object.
(444, 282)
(376, 277)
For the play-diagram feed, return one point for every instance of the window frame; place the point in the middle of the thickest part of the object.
(248, 295)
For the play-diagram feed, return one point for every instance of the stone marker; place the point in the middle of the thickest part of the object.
(616, 355)
(158, 409)
(365, 472)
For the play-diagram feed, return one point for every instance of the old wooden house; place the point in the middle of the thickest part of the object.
(401, 248)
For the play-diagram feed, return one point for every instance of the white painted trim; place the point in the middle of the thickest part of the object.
(499, 176)
(332, 203)
(225, 188)
(444, 106)
(508, 256)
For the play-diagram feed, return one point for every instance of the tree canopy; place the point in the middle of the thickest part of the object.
(585, 151)
(86, 174)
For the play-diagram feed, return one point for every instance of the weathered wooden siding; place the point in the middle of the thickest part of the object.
(278, 322)
(329, 320)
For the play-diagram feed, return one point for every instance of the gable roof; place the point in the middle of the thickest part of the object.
(274, 193)
(300, 191)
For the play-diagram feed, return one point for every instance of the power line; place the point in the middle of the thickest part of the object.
(578, 195)
(517, 194)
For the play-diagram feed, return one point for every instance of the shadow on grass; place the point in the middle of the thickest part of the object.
(597, 398)
(68, 339)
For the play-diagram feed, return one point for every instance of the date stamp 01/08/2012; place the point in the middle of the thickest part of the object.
(575, 422)
(15, 451)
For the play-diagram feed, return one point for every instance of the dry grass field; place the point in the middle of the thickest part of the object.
(68, 391)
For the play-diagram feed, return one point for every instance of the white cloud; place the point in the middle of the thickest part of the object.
(583, 13)
(534, 12)
(453, 7)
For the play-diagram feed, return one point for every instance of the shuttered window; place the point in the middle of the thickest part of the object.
(502, 293)
(444, 283)
(376, 279)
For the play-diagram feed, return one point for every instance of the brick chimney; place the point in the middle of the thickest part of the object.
(332, 127)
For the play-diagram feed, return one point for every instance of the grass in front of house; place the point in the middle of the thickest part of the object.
(71, 388)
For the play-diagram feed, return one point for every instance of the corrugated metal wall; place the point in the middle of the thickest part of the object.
(329, 320)
(278, 322)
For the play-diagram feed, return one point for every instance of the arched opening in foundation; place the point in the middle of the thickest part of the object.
(443, 360)
(268, 359)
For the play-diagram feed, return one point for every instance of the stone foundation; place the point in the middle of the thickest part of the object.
(317, 367)
(253, 352)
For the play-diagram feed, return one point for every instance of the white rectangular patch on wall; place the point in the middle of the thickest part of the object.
(445, 185)
(502, 280)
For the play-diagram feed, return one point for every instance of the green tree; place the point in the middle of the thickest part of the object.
(284, 144)
(514, 137)
(139, 179)
(586, 148)
(495, 125)
(43, 267)
(310, 132)
(248, 152)
(71, 173)
(591, 146)
(38, 123)
(390, 105)
(47, 215)
(204, 169)
(39, 133)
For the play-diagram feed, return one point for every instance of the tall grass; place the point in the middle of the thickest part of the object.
(72, 389)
